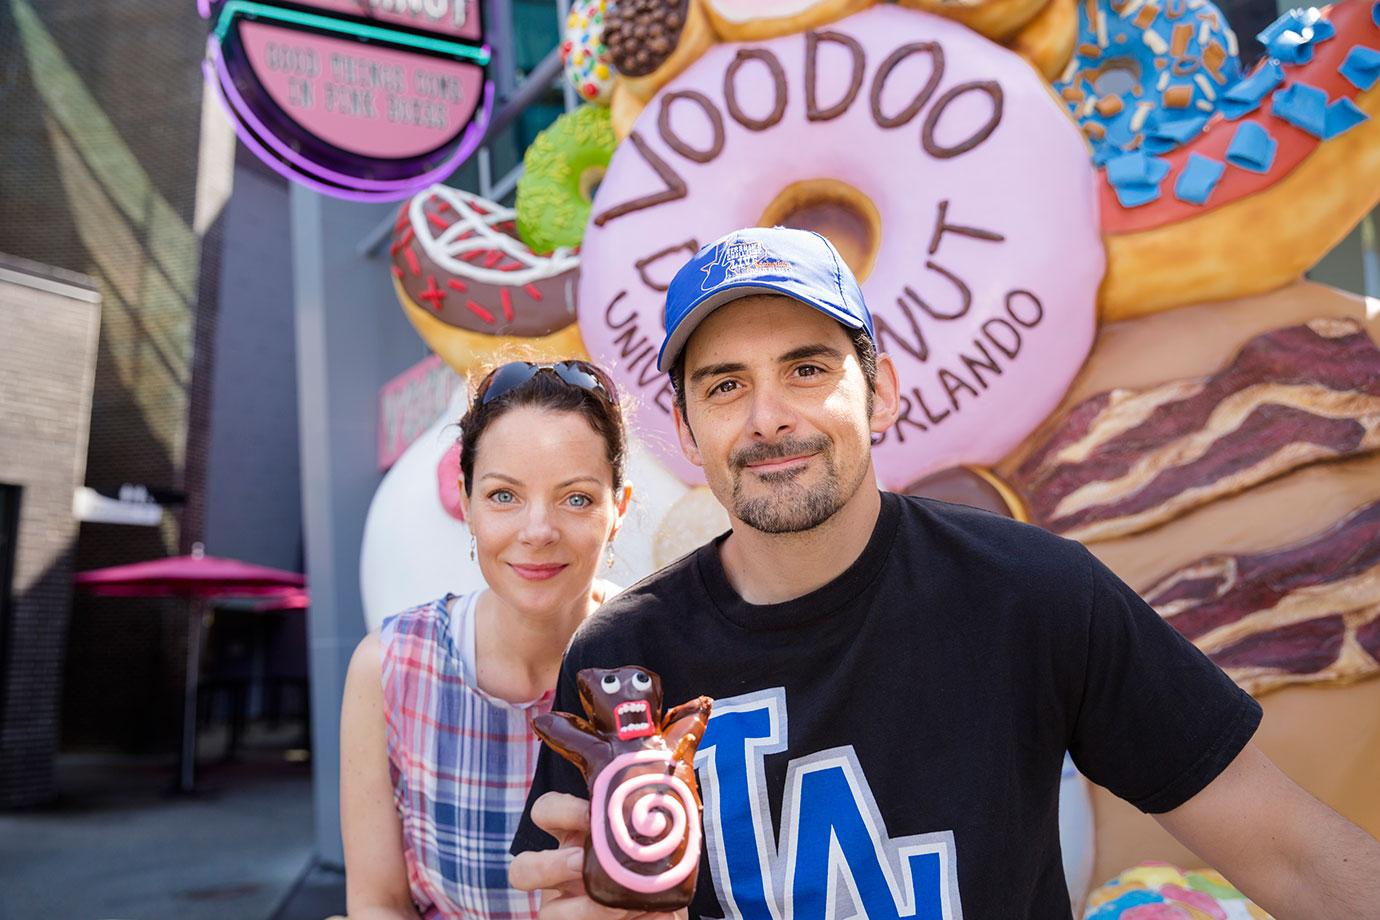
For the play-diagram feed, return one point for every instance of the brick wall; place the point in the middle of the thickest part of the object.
(101, 111)
(50, 322)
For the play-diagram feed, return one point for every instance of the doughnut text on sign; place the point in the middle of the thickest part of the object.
(950, 179)
(675, 185)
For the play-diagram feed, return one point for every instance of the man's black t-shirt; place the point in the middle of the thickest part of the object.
(890, 745)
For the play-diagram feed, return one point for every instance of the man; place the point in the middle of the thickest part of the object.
(896, 680)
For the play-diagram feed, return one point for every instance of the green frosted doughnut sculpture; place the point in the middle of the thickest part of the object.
(561, 169)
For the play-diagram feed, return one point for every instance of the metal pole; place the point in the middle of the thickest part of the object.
(498, 32)
(567, 89)
(187, 779)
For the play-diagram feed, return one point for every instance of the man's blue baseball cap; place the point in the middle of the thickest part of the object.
(799, 264)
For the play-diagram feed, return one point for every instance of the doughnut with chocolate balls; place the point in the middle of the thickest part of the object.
(641, 34)
(644, 842)
(650, 42)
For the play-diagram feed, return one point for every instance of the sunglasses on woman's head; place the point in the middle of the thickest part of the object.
(579, 374)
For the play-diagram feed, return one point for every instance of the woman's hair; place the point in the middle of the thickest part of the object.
(545, 390)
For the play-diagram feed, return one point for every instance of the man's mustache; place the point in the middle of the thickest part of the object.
(776, 450)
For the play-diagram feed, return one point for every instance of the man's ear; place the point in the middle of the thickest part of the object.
(688, 447)
(886, 395)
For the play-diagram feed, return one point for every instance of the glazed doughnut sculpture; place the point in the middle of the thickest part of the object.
(643, 848)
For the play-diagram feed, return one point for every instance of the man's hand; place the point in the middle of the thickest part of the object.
(558, 874)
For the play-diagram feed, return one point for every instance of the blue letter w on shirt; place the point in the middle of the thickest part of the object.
(834, 859)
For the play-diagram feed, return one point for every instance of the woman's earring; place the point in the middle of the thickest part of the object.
(472, 548)
(608, 557)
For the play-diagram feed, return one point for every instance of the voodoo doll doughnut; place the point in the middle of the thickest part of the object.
(472, 288)
(643, 848)
(651, 41)
(1264, 190)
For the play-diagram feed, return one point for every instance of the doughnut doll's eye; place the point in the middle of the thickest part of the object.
(610, 683)
(641, 682)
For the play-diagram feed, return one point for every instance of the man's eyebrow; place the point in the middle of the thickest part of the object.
(811, 351)
(713, 370)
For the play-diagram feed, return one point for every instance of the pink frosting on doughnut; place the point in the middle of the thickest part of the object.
(649, 819)
(985, 281)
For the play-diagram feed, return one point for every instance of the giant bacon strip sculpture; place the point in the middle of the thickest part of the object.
(643, 848)
(1304, 613)
(1123, 461)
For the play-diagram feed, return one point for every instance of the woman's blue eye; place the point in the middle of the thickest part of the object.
(502, 496)
(581, 501)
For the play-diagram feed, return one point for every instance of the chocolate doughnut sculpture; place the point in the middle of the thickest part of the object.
(643, 849)
(473, 289)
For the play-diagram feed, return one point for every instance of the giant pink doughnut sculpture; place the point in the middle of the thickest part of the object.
(943, 167)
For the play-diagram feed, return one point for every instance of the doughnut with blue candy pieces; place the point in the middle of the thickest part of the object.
(1147, 75)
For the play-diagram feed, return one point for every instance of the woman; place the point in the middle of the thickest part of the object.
(437, 746)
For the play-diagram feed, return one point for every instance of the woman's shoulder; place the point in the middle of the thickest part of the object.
(423, 618)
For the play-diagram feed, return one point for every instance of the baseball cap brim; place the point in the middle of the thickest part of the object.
(728, 293)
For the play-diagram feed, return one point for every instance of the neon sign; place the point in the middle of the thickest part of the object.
(359, 99)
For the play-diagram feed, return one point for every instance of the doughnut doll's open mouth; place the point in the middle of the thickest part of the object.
(633, 720)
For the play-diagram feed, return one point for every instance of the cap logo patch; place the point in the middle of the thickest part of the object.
(736, 259)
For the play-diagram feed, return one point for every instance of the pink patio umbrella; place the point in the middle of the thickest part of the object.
(290, 599)
(197, 578)
(270, 600)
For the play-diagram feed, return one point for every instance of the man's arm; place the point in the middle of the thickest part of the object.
(1285, 850)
